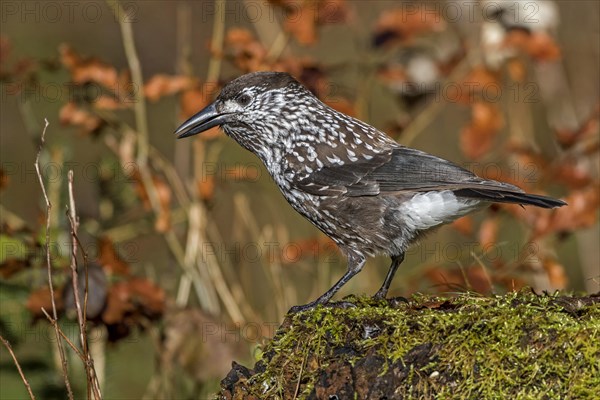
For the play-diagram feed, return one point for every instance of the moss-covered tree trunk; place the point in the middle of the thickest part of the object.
(518, 346)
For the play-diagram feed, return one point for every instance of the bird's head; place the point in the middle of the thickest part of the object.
(256, 109)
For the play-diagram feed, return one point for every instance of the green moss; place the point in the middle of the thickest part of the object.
(520, 345)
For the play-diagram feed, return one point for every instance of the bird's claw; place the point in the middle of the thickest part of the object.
(312, 305)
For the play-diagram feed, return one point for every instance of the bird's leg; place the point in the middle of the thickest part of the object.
(396, 261)
(355, 265)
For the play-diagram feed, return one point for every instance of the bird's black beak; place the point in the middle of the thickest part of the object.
(204, 120)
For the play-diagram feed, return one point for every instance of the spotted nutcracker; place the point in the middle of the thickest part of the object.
(365, 191)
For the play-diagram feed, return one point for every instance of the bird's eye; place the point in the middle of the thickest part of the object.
(243, 99)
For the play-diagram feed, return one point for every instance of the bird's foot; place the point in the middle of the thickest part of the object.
(313, 304)
(380, 295)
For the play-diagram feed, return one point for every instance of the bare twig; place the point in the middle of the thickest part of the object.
(69, 342)
(216, 43)
(59, 343)
(92, 378)
(12, 354)
(141, 122)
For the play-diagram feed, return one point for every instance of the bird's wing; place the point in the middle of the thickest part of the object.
(397, 169)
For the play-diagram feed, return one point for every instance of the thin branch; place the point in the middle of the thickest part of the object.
(59, 343)
(141, 121)
(69, 342)
(12, 354)
(216, 43)
(93, 384)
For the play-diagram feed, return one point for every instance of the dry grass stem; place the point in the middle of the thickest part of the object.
(59, 343)
(23, 378)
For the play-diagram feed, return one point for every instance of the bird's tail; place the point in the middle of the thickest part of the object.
(502, 196)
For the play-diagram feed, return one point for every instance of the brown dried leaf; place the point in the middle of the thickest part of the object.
(572, 174)
(11, 266)
(163, 220)
(109, 258)
(488, 233)
(402, 24)
(194, 100)
(590, 127)
(91, 69)
(4, 179)
(341, 104)
(109, 103)
(477, 138)
(148, 297)
(475, 87)
(301, 22)
(118, 303)
(41, 298)
(206, 188)
(580, 213)
(517, 70)
(538, 45)
(239, 37)
(70, 114)
(464, 225)
(452, 278)
(248, 53)
(556, 273)
(164, 85)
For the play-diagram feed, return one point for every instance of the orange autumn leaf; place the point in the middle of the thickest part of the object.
(247, 53)
(88, 69)
(109, 103)
(556, 273)
(206, 188)
(301, 23)
(13, 265)
(488, 233)
(70, 114)
(163, 220)
(464, 225)
(478, 136)
(149, 297)
(473, 277)
(538, 45)
(580, 213)
(333, 12)
(517, 70)
(572, 174)
(129, 301)
(341, 104)
(109, 258)
(118, 303)
(239, 37)
(479, 84)
(590, 127)
(4, 179)
(303, 17)
(402, 24)
(193, 100)
(164, 85)
(41, 298)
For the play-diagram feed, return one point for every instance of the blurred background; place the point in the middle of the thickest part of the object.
(188, 256)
